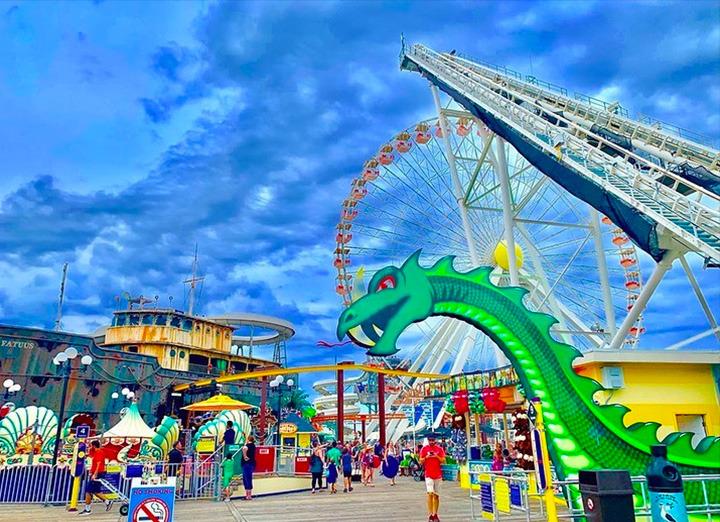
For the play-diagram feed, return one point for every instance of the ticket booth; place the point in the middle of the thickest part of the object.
(296, 432)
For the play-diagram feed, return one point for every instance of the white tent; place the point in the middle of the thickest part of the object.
(131, 426)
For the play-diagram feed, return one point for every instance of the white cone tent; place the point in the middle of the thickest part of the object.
(131, 426)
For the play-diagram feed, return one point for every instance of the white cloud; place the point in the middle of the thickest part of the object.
(369, 82)
(84, 324)
(610, 93)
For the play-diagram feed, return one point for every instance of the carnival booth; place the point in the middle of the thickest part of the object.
(124, 441)
(489, 427)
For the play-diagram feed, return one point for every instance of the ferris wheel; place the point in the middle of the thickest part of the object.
(437, 186)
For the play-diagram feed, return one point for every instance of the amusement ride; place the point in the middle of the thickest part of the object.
(554, 191)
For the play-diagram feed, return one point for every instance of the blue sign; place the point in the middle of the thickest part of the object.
(539, 459)
(151, 503)
(515, 497)
(486, 495)
(82, 432)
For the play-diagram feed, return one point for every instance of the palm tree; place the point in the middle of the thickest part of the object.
(297, 399)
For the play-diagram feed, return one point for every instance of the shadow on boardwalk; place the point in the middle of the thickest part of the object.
(402, 503)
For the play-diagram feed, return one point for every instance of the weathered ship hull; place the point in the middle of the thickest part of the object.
(26, 356)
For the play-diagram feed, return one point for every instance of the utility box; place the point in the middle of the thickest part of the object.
(613, 377)
(607, 495)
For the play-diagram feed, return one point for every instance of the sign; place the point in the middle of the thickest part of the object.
(515, 497)
(205, 445)
(112, 477)
(476, 468)
(151, 503)
(82, 431)
(486, 497)
(9, 344)
(532, 413)
(287, 428)
(539, 460)
(502, 495)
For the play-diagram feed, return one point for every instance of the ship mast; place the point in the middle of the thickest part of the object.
(193, 283)
(58, 319)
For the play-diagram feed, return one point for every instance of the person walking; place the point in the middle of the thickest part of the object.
(248, 466)
(391, 464)
(175, 459)
(333, 464)
(368, 461)
(316, 467)
(347, 462)
(432, 457)
(94, 486)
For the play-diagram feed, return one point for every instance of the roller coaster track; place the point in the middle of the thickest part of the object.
(661, 188)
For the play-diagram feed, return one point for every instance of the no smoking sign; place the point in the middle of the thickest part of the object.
(151, 510)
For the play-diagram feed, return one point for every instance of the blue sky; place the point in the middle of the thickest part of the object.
(132, 130)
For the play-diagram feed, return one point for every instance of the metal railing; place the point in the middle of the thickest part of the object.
(617, 175)
(197, 477)
(503, 495)
(653, 131)
(707, 508)
(28, 485)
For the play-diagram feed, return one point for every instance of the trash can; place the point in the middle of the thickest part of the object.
(607, 495)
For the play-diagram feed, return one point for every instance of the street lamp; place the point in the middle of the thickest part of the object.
(63, 361)
(278, 383)
(11, 387)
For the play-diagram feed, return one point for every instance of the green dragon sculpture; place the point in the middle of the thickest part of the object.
(581, 433)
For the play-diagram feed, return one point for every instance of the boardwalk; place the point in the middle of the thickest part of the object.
(402, 503)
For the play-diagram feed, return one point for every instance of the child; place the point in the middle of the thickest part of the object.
(369, 463)
(228, 470)
(347, 470)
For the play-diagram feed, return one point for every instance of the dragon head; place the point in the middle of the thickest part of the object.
(396, 298)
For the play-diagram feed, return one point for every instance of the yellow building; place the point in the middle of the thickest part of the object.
(179, 341)
(680, 390)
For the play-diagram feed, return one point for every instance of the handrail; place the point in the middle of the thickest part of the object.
(578, 128)
(624, 152)
(690, 211)
(645, 122)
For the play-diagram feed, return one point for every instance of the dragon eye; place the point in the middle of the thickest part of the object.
(385, 283)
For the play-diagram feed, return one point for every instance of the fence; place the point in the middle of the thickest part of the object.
(197, 478)
(511, 495)
(29, 484)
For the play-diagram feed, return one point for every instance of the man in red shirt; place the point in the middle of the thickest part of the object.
(432, 456)
(94, 486)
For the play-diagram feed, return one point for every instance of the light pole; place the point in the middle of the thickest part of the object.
(63, 361)
(278, 383)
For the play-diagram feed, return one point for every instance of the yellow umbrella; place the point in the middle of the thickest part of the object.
(219, 403)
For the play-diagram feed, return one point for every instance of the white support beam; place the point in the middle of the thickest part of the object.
(645, 294)
(457, 186)
(690, 340)
(507, 210)
(536, 261)
(698, 293)
(610, 325)
(460, 195)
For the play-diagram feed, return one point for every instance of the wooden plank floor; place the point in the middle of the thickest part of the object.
(405, 502)
(402, 503)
